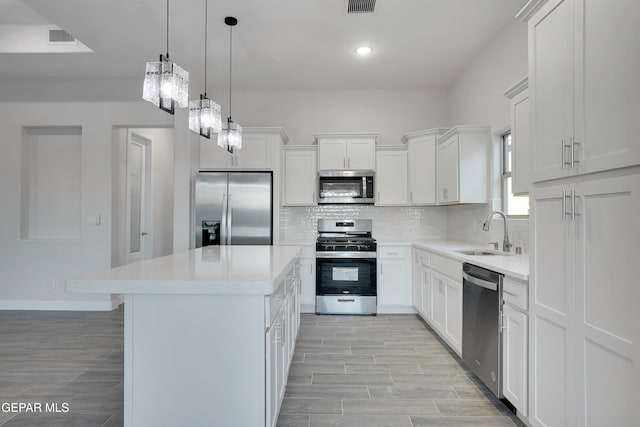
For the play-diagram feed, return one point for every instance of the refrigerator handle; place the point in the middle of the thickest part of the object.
(230, 217)
(223, 226)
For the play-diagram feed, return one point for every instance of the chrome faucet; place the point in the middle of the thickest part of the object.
(506, 245)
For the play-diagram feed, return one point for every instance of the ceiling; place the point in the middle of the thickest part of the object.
(278, 44)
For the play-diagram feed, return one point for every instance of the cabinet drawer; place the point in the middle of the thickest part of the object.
(392, 252)
(447, 266)
(515, 292)
(272, 303)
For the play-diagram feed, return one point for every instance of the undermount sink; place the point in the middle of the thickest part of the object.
(481, 252)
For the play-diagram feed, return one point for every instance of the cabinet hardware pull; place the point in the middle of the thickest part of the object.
(344, 162)
(564, 203)
(313, 197)
(564, 163)
(348, 162)
(573, 151)
(346, 300)
(392, 253)
(573, 206)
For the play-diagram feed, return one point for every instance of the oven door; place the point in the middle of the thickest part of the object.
(346, 286)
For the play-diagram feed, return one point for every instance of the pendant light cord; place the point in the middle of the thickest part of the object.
(230, 66)
(167, 29)
(206, 23)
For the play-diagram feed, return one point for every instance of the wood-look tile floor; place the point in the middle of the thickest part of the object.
(347, 371)
(385, 370)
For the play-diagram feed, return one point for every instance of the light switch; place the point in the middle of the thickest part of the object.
(93, 220)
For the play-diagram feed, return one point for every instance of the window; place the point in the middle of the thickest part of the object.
(511, 205)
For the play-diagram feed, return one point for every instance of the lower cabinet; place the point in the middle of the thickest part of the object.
(307, 280)
(514, 357)
(280, 341)
(416, 280)
(394, 282)
(440, 302)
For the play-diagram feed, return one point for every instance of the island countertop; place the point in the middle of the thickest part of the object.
(228, 270)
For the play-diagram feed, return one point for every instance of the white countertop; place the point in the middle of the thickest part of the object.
(516, 266)
(229, 270)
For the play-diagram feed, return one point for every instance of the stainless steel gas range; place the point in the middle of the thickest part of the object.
(345, 267)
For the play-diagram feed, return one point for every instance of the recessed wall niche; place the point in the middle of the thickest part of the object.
(50, 206)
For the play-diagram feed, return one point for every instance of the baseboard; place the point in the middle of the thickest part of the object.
(396, 309)
(382, 309)
(61, 305)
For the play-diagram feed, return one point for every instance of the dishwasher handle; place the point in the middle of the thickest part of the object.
(480, 282)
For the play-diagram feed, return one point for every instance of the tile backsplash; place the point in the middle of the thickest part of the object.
(389, 223)
(464, 223)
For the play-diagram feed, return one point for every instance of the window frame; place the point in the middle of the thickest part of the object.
(506, 147)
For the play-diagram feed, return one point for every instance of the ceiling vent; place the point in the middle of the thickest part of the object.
(360, 6)
(60, 36)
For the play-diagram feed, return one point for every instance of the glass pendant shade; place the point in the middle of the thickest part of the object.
(166, 85)
(204, 116)
(231, 135)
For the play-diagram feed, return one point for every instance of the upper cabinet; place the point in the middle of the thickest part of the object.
(422, 166)
(300, 180)
(520, 137)
(259, 148)
(462, 165)
(391, 178)
(584, 86)
(354, 151)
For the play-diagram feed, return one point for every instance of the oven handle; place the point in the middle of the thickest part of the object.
(346, 300)
(479, 282)
(343, 255)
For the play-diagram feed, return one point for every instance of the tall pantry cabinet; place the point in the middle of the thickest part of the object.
(585, 104)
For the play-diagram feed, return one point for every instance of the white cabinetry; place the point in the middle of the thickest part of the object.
(583, 322)
(307, 275)
(416, 282)
(259, 147)
(462, 165)
(520, 137)
(283, 318)
(394, 282)
(422, 165)
(584, 85)
(391, 177)
(515, 343)
(346, 151)
(300, 180)
(441, 293)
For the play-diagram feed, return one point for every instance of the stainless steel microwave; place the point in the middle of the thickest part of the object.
(338, 187)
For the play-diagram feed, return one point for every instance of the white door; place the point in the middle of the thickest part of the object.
(422, 171)
(361, 154)
(453, 314)
(300, 178)
(138, 247)
(448, 170)
(391, 178)
(332, 154)
(514, 357)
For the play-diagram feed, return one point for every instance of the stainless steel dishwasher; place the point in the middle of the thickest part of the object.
(481, 325)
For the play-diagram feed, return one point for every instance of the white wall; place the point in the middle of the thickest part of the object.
(27, 267)
(476, 97)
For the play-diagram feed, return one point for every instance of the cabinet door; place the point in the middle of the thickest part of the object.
(416, 280)
(308, 282)
(438, 293)
(551, 33)
(551, 294)
(281, 354)
(514, 357)
(391, 178)
(332, 154)
(300, 178)
(272, 373)
(214, 157)
(361, 154)
(422, 171)
(425, 276)
(393, 285)
(607, 293)
(521, 141)
(607, 87)
(448, 170)
(453, 314)
(255, 152)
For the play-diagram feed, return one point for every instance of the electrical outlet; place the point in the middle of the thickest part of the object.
(55, 283)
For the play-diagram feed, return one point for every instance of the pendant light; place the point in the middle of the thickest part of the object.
(231, 135)
(204, 114)
(166, 84)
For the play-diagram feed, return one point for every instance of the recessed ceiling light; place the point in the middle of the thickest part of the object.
(363, 50)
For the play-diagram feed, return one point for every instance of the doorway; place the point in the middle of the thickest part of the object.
(138, 221)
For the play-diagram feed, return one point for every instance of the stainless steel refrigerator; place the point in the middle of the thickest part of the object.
(233, 208)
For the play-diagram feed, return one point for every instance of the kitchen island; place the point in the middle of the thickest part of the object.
(209, 333)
